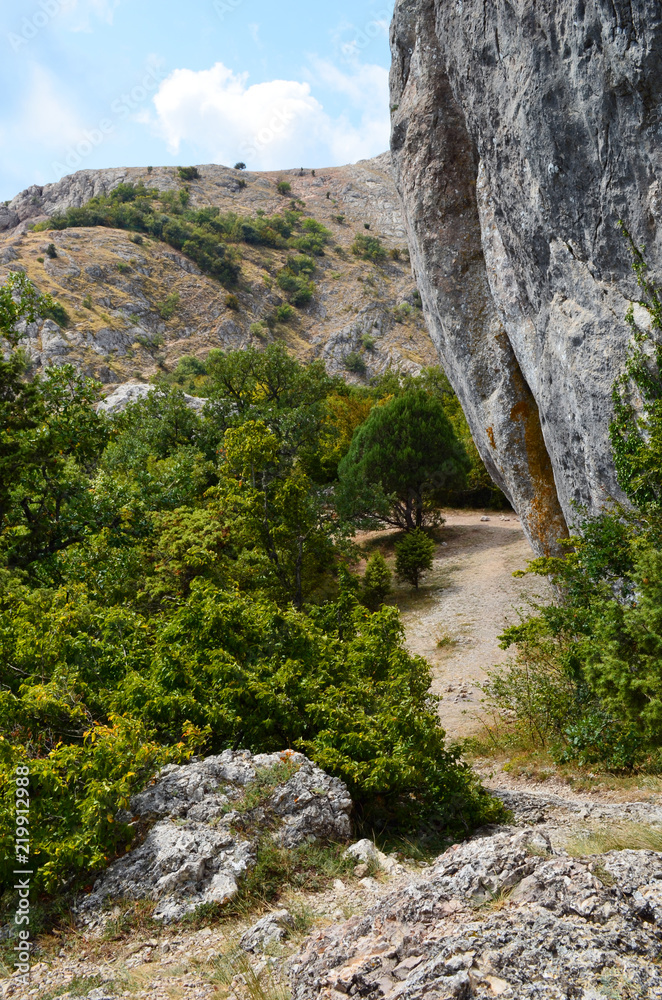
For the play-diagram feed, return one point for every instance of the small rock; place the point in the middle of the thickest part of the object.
(486, 519)
(361, 870)
(269, 930)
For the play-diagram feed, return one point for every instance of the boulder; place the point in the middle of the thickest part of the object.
(202, 837)
(521, 134)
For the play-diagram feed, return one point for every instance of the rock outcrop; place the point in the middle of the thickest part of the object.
(522, 133)
(502, 916)
(133, 392)
(204, 833)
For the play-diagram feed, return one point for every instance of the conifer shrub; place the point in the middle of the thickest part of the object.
(376, 583)
(413, 556)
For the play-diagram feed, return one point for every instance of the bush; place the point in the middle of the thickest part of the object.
(297, 286)
(284, 188)
(57, 312)
(123, 267)
(369, 248)
(413, 556)
(240, 166)
(51, 251)
(284, 313)
(169, 307)
(355, 364)
(188, 173)
(259, 329)
(376, 583)
(232, 302)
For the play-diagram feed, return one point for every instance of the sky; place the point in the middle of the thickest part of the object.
(107, 83)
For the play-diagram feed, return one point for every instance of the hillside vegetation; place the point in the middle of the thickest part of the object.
(153, 264)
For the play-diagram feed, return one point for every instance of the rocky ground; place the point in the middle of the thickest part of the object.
(114, 290)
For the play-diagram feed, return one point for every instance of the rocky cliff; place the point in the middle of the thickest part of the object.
(115, 290)
(522, 132)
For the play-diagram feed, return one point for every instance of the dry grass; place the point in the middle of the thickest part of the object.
(620, 837)
(238, 979)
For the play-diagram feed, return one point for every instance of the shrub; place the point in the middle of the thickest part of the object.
(395, 253)
(368, 342)
(413, 556)
(259, 329)
(402, 312)
(51, 251)
(314, 239)
(340, 218)
(284, 188)
(56, 312)
(87, 302)
(284, 313)
(188, 173)
(298, 288)
(369, 248)
(355, 363)
(232, 302)
(169, 307)
(136, 238)
(376, 583)
(123, 267)
(240, 166)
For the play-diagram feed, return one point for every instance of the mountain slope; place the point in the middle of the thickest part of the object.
(134, 307)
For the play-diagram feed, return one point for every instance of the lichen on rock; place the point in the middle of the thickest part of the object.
(204, 829)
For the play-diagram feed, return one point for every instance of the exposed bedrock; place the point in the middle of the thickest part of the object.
(522, 132)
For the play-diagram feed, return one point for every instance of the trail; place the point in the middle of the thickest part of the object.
(468, 598)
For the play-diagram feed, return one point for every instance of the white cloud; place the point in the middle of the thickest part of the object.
(275, 124)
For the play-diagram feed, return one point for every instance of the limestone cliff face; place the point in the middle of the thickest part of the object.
(522, 132)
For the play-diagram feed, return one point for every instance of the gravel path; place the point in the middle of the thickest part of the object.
(469, 597)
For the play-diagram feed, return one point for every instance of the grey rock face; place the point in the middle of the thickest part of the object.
(521, 134)
(499, 916)
(200, 844)
(133, 392)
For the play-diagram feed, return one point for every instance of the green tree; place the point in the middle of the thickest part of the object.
(413, 556)
(376, 583)
(403, 452)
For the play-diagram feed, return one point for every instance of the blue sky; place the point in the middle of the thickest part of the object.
(101, 83)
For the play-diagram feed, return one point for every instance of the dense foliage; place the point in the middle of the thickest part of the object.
(587, 681)
(173, 581)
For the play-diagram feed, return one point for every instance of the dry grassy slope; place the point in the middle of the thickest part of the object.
(119, 335)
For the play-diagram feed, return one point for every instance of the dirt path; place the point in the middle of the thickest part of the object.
(470, 595)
